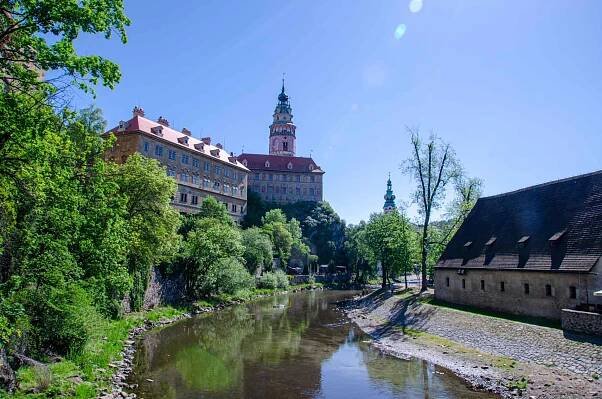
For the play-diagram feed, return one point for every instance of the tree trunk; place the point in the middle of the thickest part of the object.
(424, 254)
(8, 380)
(405, 277)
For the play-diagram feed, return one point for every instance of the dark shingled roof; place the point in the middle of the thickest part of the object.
(279, 163)
(572, 205)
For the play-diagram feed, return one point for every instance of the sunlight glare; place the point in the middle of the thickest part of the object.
(400, 31)
(415, 6)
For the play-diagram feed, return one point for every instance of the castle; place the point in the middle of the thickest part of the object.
(282, 177)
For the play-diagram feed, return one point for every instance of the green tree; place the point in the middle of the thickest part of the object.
(210, 241)
(152, 222)
(386, 237)
(258, 253)
(434, 167)
(39, 35)
(212, 208)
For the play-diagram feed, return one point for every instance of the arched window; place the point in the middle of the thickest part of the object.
(267, 164)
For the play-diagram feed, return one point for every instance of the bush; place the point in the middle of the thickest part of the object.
(232, 277)
(282, 279)
(268, 280)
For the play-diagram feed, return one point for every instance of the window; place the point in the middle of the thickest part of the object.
(171, 154)
(185, 159)
(206, 183)
(463, 283)
(207, 166)
(256, 176)
(234, 208)
(184, 177)
(312, 179)
(216, 185)
(196, 163)
(270, 177)
(548, 290)
(311, 191)
(526, 288)
(482, 285)
(447, 281)
(158, 150)
(194, 200)
(285, 146)
(298, 178)
(267, 164)
(183, 197)
(171, 173)
(218, 170)
(573, 292)
(502, 286)
(195, 180)
(146, 146)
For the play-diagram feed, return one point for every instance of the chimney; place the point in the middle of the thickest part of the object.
(186, 132)
(138, 111)
(206, 140)
(163, 121)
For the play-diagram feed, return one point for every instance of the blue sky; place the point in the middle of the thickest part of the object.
(514, 86)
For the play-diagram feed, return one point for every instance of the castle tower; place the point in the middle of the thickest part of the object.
(282, 129)
(389, 198)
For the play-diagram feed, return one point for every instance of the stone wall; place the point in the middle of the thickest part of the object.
(583, 322)
(483, 288)
(163, 289)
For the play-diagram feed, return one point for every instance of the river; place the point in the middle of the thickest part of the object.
(288, 346)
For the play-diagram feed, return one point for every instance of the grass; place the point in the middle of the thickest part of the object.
(498, 315)
(85, 374)
(500, 362)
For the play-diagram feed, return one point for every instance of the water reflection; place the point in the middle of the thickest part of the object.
(302, 350)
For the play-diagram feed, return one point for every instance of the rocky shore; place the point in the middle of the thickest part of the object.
(507, 358)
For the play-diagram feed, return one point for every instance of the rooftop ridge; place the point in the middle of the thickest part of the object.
(540, 185)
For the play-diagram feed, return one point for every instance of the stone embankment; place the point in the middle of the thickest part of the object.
(508, 358)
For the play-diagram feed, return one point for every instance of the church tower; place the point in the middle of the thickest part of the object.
(389, 198)
(282, 129)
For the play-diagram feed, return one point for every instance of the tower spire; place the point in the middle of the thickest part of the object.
(389, 197)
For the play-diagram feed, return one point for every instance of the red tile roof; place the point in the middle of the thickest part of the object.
(179, 139)
(279, 163)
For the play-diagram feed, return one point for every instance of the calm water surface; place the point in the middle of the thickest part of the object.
(303, 349)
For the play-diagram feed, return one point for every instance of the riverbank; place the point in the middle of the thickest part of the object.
(505, 357)
(102, 367)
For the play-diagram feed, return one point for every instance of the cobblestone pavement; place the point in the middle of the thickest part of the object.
(546, 346)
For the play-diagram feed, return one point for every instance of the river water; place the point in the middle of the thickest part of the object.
(287, 346)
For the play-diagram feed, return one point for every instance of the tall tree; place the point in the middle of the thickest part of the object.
(435, 168)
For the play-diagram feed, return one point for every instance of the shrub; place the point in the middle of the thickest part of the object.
(232, 277)
(268, 280)
(281, 279)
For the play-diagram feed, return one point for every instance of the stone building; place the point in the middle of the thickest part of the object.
(282, 177)
(200, 168)
(535, 251)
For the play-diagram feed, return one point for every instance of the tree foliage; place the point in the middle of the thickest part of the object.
(435, 168)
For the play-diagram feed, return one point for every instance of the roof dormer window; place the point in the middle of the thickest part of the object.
(158, 130)
(523, 241)
(199, 146)
(311, 166)
(490, 242)
(289, 166)
(183, 140)
(555, 239)
(267, 164)
(244, 162)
